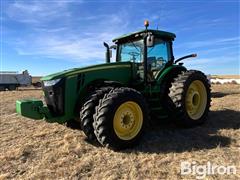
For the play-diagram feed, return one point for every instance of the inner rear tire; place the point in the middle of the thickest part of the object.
(191, 97)
(120, 118)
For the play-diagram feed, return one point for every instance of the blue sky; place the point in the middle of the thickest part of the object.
(49, 36)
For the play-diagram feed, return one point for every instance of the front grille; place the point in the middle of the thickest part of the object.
(54, 97)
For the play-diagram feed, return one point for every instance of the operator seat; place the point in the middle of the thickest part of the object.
(150, 74)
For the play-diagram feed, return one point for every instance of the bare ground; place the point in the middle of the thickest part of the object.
(38, 150)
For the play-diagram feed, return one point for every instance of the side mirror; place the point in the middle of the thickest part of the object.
(150, 40)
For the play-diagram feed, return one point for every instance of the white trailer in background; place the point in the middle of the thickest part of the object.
(11, 80)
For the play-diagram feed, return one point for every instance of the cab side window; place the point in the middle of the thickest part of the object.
(158, 55)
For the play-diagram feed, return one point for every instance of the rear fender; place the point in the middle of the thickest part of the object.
(169, 73)
(166, 76)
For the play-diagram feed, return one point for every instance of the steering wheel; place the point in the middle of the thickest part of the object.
(133, 53)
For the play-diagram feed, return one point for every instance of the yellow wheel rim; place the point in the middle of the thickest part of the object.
(128, 120)
(196, 99)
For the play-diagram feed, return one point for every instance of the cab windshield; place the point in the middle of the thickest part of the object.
(131, 51)
(157, 55)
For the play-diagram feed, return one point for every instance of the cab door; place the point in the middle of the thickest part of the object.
(157, 58)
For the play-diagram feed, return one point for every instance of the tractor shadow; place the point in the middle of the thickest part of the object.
(218, 94)
(169, 138)
(221, 94)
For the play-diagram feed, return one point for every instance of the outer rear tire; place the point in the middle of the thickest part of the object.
(120, 118)
(190, 107)
(88, 109)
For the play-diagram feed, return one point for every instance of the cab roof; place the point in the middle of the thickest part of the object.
(156, 33)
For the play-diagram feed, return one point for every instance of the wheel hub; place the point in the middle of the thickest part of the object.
(196, 99)
(127, 120)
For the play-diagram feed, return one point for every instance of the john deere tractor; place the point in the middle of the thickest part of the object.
(113, 102)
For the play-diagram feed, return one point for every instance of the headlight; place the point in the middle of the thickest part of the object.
(51, 82)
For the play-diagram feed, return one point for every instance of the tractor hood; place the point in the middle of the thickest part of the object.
(75, 71)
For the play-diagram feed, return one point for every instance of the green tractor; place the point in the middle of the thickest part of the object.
(113, 102)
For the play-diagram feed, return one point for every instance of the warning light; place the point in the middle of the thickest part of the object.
(146, 23)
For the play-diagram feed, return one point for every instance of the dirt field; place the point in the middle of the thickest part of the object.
(38, 150)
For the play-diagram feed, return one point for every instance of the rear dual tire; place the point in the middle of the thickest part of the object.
(190, 97)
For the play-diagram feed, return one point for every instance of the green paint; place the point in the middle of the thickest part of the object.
(85, 69)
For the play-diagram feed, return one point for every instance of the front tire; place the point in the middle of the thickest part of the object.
(190, 95)
(88, 109)
(120, 118)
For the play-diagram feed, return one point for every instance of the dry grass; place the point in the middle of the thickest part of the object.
(39, 150)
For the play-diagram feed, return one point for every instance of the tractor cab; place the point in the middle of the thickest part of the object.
(150, 51)
(158, 55)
